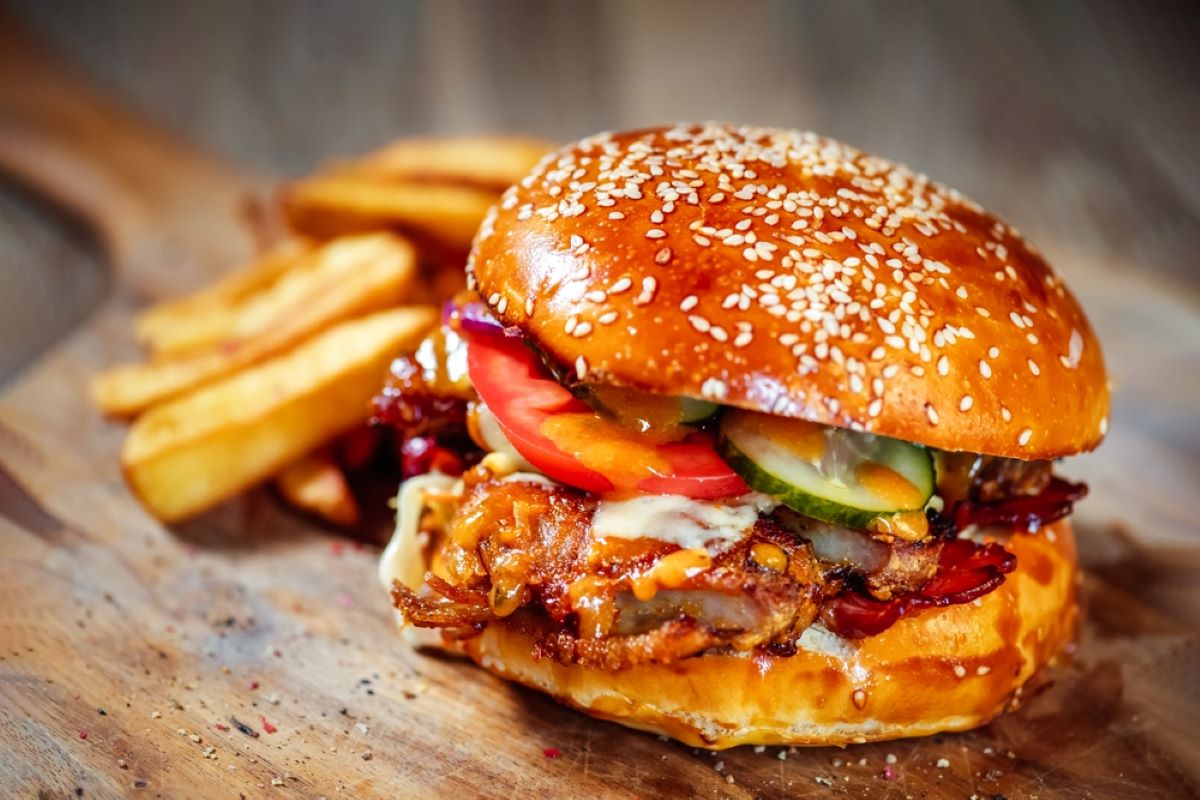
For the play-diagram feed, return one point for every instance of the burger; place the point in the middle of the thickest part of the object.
(744, 436)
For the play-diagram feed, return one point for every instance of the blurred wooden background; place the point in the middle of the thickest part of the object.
(1076, 120)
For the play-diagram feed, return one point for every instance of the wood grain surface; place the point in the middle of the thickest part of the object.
(247, 653)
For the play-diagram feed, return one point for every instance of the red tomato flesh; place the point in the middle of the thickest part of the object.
(524, 396)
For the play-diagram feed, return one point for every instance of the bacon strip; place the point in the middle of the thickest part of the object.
(966, 570)
(1027, 513)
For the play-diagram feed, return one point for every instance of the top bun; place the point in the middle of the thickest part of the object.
(780, 271)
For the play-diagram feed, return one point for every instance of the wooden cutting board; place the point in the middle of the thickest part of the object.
(249, 654)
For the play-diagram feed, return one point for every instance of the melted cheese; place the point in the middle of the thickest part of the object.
(691, 524)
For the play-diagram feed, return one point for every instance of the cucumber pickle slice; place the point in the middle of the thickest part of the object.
(830, 474)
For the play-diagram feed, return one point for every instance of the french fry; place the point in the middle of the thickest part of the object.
(334, 205)
(317, 486)
(346, 278)
(189, 454)
(489, 161)
(187, 322)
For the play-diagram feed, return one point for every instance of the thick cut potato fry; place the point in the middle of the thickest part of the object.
(200, 318)
(317, 486)
(333, 205)
(345, 278)
(490, 161)
(191, 453)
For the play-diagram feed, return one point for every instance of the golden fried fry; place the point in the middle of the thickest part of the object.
(316, 485)
(489, 161)
(333, 205)
(191, 453)
(200, 319)
(345, 278)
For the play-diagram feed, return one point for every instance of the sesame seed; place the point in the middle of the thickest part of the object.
(960, 671)
(966, 403)
(663, 256)
(931, 413)
(655, 233)
(985, 369)
(943, 366)
(620, 286)
(581, 367)
(616, 215)
(582, 329)
(1005, 413)
(1033, 367)
(688, 303)
(714, 389)
(1023, 439)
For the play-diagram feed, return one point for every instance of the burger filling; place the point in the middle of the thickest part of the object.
(616, 527)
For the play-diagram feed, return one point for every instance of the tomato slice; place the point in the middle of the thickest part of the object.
(566, 439)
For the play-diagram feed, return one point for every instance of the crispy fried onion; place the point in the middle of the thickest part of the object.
(522, 552)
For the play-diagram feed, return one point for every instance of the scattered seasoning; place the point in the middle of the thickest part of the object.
(266, 724)
(367, 756)
(83, 734)
(102, 712)
(243, 727)
(121, 763)
(139, 784)
(345, 601)
(552, 752)
(943, 763)
(252, 685)
(277, 781)
(889, 773)
(221, 726)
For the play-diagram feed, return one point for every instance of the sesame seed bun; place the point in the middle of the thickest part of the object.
(783, 272)
(948, 669)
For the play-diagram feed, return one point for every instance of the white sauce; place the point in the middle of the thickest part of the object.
(689, 523)
(403, 559)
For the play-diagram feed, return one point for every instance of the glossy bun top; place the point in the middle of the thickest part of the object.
(789, 273)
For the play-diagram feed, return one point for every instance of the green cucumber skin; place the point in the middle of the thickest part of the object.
(801, 502)
(693, 410)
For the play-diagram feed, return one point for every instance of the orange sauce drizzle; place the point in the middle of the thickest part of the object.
(912, 526)
(671, 572)
(801, 438)
(623, 456)
(888, 485)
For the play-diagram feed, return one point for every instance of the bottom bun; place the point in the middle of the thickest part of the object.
(948, 669)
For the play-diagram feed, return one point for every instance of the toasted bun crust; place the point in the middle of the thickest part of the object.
(948, 669)
(780, 271)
